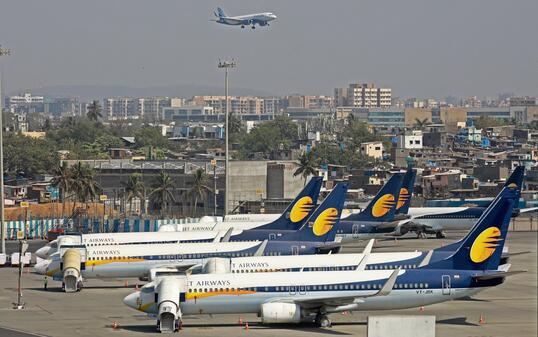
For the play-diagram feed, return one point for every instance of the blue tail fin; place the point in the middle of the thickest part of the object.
(300, 208)
(516, 178)
(383, 206)
(406, 192)
(323, 223)
(220, 13)
(482, 247)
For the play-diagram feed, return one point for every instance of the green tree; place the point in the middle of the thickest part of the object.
(29, 155)
(84, 187)
(162, 193)
(134, 188)
(94, 111)
(62, 180)
(280, 133)
(200, 187)
(308, 165)
(150, 136)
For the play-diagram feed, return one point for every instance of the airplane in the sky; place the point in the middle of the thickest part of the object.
(283, 297)
(261, 19)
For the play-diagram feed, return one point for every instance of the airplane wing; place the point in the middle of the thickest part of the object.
(316, 302)
(528, 210)
(171, 269)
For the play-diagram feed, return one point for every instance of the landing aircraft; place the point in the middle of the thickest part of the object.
(261, 19)
(283, 297)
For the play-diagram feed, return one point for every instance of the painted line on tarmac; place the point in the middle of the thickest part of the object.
(10, 332)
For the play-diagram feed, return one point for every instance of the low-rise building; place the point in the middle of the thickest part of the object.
(372, 149)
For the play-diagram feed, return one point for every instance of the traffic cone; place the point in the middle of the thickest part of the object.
(246, 326)
(421, 309)
(125, 284)
(240, 321)
(482, 320)
(115, 325)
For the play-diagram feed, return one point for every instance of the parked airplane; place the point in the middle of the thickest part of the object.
(73, 262)
(282, 297)
(435, 220)
(261, 19)
(293, 217)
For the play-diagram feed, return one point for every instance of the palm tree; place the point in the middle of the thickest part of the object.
(62, 181)
(420, 124)
(307, 166)
(200, 187)
(134, 188)
(94, 111)
(84, 186)
(162, 192)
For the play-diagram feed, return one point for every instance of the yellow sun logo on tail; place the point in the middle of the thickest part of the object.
(383, 205)
(485, 244)
(404, 196)
(301, 209)
(325, 221)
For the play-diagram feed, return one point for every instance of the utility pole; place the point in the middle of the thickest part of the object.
(226, 65)
(3, 52)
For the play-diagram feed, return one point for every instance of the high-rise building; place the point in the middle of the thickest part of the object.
(367, 95)
(240, 105)
(134, 107)
(25, 103)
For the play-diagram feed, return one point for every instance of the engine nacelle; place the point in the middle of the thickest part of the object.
(71, 270)
(169, 314)
(280, 313)
(217, 265)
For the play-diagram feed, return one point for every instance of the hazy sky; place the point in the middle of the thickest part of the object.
(417, 47)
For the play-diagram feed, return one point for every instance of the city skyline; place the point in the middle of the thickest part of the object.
(311, 49)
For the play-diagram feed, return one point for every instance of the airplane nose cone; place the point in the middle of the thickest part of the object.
(132, 300)
(41, 267)
(43, 252)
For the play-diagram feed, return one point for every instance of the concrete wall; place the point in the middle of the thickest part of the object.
(246, 179)
(411, 115)
(401, 326)
(451, 116)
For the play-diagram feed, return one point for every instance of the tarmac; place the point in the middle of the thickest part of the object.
(507, 310)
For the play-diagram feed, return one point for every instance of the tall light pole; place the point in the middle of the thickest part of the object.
(226, 65)
(3, 52)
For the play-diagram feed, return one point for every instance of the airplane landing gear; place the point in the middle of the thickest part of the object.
(253, 27)
(242, 26)
(440, 235)
(323, 321)
(421, 235)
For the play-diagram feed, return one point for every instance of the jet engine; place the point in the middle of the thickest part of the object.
(280, 313)
(217, 265)
(169, 315)
(71, 270)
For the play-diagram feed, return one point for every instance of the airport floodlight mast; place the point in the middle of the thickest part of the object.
(3, 52)
(226, 65)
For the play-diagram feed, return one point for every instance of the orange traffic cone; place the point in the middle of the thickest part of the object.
(482, 320)
(246, 326)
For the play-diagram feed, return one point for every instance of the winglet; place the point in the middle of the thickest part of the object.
(426, 259)
(261, 248)
(387, 287)
(365, 255)
(227, 235)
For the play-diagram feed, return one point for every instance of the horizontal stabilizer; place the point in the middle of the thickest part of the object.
(501, 274)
